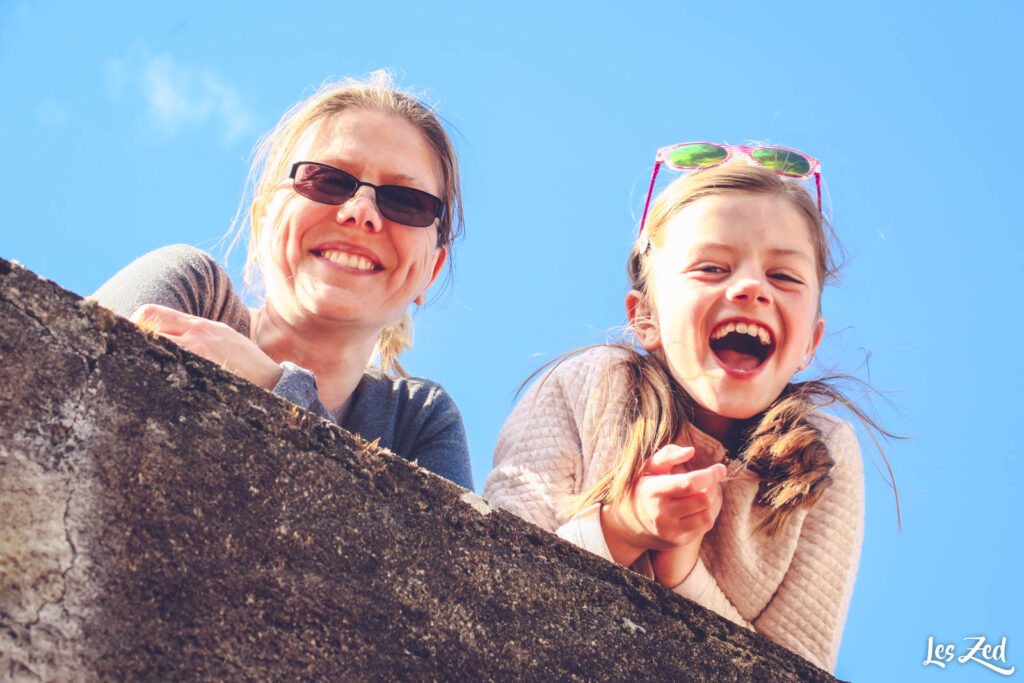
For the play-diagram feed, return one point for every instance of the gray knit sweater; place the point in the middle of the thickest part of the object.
(412, 417)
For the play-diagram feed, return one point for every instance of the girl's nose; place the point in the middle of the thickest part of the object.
(361, 210)
(749, 289)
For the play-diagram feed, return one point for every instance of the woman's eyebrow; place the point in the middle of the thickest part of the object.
(402, 178)
(397, 177)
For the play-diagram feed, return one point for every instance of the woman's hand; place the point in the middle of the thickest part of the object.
(212, 340)
(666, 509)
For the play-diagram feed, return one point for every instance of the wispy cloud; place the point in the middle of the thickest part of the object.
(51, 114)
(176, 96)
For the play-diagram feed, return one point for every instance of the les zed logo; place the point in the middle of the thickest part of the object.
(981, 652)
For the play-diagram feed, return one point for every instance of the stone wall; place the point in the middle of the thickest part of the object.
(161, 518)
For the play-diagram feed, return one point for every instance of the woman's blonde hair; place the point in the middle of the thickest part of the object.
(272, 159)
(780, 445)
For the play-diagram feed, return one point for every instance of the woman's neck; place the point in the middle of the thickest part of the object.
(337, 356)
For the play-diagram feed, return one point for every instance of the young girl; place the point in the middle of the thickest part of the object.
(696, 461)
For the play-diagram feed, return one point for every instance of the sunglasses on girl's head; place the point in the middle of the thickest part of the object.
(329, 185)
(689, 156)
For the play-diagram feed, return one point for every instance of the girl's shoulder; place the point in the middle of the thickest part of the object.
(841, 440)
(580, 372)
(590, 360)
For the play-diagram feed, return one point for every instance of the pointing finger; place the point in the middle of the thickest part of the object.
(677, 485)
(667, 457)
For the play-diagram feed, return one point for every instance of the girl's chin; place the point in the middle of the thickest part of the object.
(727, 411)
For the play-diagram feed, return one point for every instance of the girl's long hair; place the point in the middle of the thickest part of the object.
(781, 445)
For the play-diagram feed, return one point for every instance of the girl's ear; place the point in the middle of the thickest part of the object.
(816, 335)
(643, 320)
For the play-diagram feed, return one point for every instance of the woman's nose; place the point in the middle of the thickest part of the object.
(361, 210)
(749, 289)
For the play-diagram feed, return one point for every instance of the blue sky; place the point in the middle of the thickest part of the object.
(127, 127)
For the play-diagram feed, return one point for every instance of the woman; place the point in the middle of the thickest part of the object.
(355, 208)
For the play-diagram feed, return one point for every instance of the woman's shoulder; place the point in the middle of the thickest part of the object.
(175, 257)
(378, 386)
(413, 417)
(178, 276)
(184, 252)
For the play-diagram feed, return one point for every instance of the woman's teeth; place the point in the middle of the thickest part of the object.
(752, 329)
(343, 258)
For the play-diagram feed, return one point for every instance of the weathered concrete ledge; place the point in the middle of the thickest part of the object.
(163, 519)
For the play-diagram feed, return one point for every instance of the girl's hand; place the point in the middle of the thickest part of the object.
(212, 340)
(671, 567)
(665, 509)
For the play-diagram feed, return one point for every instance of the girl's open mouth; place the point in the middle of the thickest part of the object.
(742, 347)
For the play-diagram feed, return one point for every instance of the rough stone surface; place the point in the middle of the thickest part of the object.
(163, 519)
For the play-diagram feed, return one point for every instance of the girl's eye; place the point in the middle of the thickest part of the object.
(786, 277)
(708, 268)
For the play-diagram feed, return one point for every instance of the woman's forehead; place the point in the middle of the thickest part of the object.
(361, 136)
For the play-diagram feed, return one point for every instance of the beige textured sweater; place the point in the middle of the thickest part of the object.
(794, 589)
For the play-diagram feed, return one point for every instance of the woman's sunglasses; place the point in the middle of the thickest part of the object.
(329, 185)
(689, 156)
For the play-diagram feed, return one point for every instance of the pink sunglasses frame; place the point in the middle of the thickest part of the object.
(731, 150)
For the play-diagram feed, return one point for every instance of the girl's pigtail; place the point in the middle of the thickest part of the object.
(790, 456)
(789, 453)
(782, 446)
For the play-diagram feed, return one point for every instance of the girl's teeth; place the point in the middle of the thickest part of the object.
(752, 329)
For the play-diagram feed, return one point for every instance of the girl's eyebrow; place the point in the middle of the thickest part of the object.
(781, 251)
(775, 252)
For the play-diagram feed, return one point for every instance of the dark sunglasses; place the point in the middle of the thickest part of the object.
(329, 185)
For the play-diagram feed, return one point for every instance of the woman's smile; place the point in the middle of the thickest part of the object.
(349, 257)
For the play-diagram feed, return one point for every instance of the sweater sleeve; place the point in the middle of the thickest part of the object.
(701, 587)
(298, 385)
(180, 277)
(538, 459)
(809, 609)
(191, 281)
